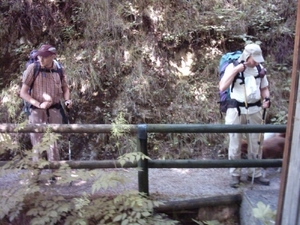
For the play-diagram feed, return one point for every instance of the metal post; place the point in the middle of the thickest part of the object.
(143, 164)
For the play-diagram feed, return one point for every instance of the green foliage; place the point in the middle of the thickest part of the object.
(128, 208)
(48, 206)
(6, 143)
(46, 211)
(280, 117)
(264, 213)
(106, 180)
(119, 127)
(10, 96)
(132, 157)
(12, 202)
(121, 132)
(263, 20)
(132, 208)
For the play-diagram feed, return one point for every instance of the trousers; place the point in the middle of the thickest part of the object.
(234, 149)
(39, 116)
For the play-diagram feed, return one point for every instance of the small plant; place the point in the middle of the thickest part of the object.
(264, 213)
(120, 135)
(132, 157)
(280, 118)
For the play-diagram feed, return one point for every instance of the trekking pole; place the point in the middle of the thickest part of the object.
(262, 122)
(69, 145)
(65, 111)
(69, 139)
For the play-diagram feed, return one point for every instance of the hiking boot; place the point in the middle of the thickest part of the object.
(52, 180)
(260, 180)
(235, 181)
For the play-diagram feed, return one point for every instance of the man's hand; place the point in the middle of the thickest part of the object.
(68, 103)
(242, 67)
(266, 103)
(45, 105)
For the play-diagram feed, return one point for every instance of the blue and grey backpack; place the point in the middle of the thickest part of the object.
(226, 59)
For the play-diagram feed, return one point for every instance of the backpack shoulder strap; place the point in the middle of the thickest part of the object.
(59, 70)
(36, 71)
(235, 62)
(238, 76)
(259, 69)
(37, 67)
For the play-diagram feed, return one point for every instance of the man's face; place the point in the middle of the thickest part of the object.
(46, 61)
(251, 62)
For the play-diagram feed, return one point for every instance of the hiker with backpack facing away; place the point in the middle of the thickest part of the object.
(248, 85)
(43, 88)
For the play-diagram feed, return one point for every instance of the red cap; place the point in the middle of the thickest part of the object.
(45, 51)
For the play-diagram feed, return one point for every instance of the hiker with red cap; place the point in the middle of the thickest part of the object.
(44, 91)
(249, 93)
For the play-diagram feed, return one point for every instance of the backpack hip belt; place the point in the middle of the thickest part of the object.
(54, 106)
(232, 103)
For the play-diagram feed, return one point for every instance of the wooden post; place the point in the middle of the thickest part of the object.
(143, 177)
(289, 195)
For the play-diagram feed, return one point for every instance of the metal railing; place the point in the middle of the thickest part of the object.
(142, 131)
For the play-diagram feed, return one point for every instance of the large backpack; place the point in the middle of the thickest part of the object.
(226, 59)
(32, 58)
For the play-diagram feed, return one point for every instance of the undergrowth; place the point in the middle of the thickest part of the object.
(38, 201)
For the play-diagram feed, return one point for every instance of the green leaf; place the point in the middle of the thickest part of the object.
(125, 222)
(117, 218)
(32, 212)
(263, 212)
(53, 214)
(63, 208)
(142, 221)
(146, 214)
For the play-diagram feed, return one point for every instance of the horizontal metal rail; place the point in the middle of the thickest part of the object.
(224, 163)
(150, 128)
(191, 164)
(93, 164)
(142, 130)
(213, 128)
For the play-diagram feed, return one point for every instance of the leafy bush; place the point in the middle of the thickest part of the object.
(264, 213)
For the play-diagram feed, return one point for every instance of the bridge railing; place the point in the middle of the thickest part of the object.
(142, 131)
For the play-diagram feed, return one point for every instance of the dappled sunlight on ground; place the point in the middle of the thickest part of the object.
(182, 171)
